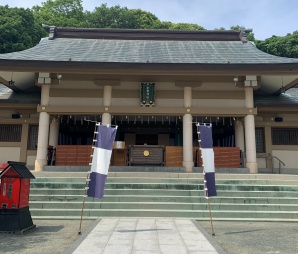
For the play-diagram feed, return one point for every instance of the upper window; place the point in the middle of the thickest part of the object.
(32, 137)
(10, 133)
(260, 140)
(284, 136)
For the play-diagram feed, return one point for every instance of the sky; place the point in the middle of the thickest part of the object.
(265, 17)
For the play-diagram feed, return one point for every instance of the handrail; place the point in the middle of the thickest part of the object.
(279, 160)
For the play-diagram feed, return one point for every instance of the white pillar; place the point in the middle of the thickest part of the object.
(107, 96)
(54, 132)
(239, 135)
(106, 118)
(187, 133)
(250, 137)
(43, 131)
(187, 143)
(107, 101)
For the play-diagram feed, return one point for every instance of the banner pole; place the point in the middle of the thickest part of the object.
(209, 206)
(86, 185)
(83, 205)
(210, 214)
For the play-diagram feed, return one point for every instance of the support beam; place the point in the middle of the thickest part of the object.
(233, 112)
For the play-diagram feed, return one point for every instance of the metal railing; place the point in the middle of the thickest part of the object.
(279, 163)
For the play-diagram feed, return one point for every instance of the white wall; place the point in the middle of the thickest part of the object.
(261, 162)
(31, 160)
(9, 154)
(290, 158)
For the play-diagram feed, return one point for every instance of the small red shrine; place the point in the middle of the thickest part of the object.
(14, 198)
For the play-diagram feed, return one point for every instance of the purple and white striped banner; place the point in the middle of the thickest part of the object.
(102, 151)
(206, 144)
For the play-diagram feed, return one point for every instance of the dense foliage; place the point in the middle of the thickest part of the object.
(286, 46)
(22, 28)
(63, 13)
(18, 30)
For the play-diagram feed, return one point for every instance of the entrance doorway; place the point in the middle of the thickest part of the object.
(150, 130)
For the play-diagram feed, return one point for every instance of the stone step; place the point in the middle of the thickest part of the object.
(166, 194)
(160, 198)
(179, 186)
(195, 218)
(170, 192)
(163, 206)
(161, 174)
(166, 213)
(130, 180)
(167, 169)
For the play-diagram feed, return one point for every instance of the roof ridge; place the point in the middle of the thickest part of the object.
(145, 34)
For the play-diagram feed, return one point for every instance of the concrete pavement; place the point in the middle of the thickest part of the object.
(145, 235)
(235, 237)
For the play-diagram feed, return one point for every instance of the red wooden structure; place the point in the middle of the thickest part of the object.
(14, 198)
(3, 166)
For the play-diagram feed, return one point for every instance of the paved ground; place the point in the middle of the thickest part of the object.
(57, 236)
(145, 235)
(255, 237)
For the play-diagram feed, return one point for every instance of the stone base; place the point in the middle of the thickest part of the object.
(15, 220)
(39, 164)
(188, 166)
(253, 167)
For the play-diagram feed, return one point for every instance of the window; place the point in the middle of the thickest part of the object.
(260, 140)
(284, 136)
(32, 137)
(10, 133)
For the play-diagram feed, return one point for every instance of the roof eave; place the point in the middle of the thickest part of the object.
(114, 67)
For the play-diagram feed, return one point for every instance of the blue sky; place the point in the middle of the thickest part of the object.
(266, 17)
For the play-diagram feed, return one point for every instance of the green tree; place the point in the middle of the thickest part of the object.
(181, 26)
(249, 32)
(286, 46)
(121, 17)
(18, 30)
(220, 29)
(64, 13)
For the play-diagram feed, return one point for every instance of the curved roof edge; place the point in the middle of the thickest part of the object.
(145, 34)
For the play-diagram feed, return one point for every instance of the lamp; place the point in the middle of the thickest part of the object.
(235, 80)
(282, 89)
(59, 77)
(11, 82)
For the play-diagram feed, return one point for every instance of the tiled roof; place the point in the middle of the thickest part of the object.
(22, 97)
(151, 50)
(288, 99)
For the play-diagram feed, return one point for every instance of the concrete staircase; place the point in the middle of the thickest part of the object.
(260, 197)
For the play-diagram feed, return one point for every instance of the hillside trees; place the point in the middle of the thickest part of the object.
(286, 46)
(64, 13)
(121, 17)
(18, 30)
